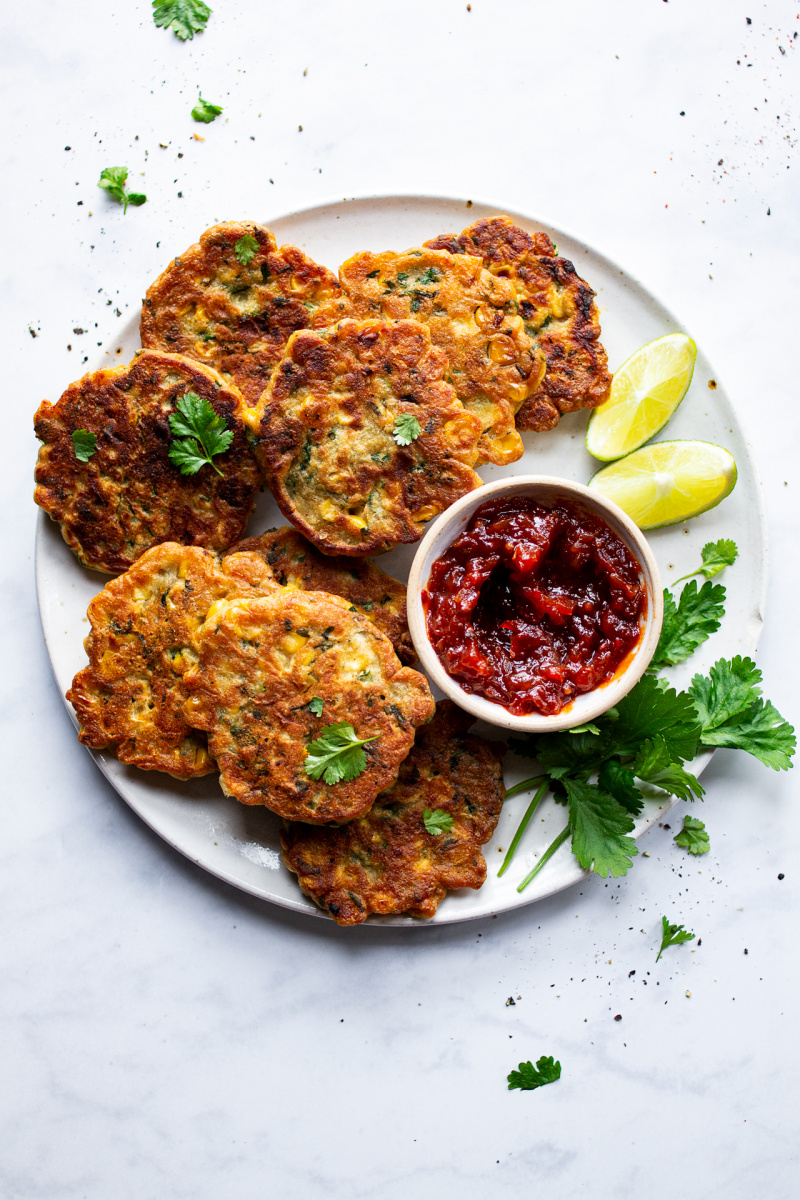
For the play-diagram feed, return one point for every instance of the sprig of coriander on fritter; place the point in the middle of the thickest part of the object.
(200, 432)
(184, 17)
(85, 444)
(716, 556)
(316, 706)
(336, 755)
(245, 249)
(437, 821)
(406, 429)
(205, 112)
(693, 836)
(673, 935)
(528, 1077)
(112, 180)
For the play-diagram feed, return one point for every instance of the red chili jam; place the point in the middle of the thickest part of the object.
(530, 605)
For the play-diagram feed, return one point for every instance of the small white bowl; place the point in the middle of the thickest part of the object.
(547, 490)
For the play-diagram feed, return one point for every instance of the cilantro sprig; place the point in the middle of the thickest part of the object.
(316, 705)
(406, 429)
(716, 556)
(673, 935)
(84, 443)
(112, 180)
(688, 623)
(184, 17)
(336, 756)
(200, 435)
(205, 112)
(437, 821)
(733, 713)
(693, 836)
(528, 1077)
(245, 249)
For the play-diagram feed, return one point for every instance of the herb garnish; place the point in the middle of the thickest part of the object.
(184, 17)
(733, 713)
(112, 180)
(205, 112)
(246, 249)
(406, 429)
(673, 935)
(716, 556)
(336, 755)
(528, 1077)
(693, 836)
(437, 821)
(689, 623)
(201, 432)
(85, 444)
(316, 706)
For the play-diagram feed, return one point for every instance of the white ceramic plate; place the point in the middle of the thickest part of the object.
(240, 844)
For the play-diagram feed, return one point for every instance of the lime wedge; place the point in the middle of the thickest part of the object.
(668, 481)
(644, 394)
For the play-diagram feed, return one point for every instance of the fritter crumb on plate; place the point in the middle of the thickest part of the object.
(129, 496)
(236, 317)
(296, 563)
(559, 312)
(387, 861)
(130, 698)
(360, 438)
(494, 365)
(262, 661)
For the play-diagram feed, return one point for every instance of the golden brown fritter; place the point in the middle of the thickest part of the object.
(130, 698)
(558, 310)
(295, 563)
(329, 430)
(129, 496)
(236, 318)
(387, 861)
(262, 663)
(472, 315)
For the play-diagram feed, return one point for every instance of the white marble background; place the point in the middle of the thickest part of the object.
(165, 1036)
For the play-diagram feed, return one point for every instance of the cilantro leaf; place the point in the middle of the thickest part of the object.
(85, 444)
(563, 754)
(336, 755)
(732, 713)
(654, 764)
(618, 782)
(693, 836)
(406, 429)
(203, 434)
(716, 556)
(245, 249)
(599, 827)
(437, 821)
(316, 705)
(652, 708)
(687, 625)
(528, 1077)
(184, 17)
(205, 112)
(112, 180)
(672, 935)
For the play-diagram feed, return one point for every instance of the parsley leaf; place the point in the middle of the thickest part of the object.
(437, 821)
(732, 713)
(184, 17)
(203, 434)
(686, 625)
(336, 755)
(245, 249)
(693, 836)
(85, 444)
(672, 935)
(528, 1077)
(205, 112)
(654, 764)
(599, 828)
(112, 180)
(406, 429)
(316, 706)
(716, 556)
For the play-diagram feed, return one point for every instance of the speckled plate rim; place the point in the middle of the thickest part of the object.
(139, 788)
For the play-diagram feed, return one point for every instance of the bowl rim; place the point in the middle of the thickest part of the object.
(440, 535)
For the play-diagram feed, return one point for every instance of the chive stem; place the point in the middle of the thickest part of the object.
(548, 854)
(531, 809)
(524, 786)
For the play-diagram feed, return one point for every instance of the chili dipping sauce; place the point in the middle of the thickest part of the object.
(532, 605)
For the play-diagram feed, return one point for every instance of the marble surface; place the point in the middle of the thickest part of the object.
(163, 1035)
